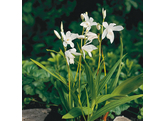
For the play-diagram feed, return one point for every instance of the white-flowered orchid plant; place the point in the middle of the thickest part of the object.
(81, 100)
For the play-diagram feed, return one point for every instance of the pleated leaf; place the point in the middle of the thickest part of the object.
(103, 98)
(75, 112)
(109, 75)
(91, 83)
(112, 105)
(129, 85)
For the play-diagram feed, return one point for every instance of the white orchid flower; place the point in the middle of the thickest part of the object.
(91, 36)
(89, 49)
(69, 55)
(108, 32)
(68, 38)
(57, 34)
(88, 22)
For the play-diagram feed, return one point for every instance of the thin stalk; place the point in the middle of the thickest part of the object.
(100, 47)
(81, 108)
(104, 71)
(69, 81)
(80, 63)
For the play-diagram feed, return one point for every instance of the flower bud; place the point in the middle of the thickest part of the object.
(81, 37)
(86, 13)
(57, 34)
(98, 26)
(103, 13)
(61, 27)
(82, 16)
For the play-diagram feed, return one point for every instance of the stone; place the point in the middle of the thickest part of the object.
(121, 118)
(35, 114)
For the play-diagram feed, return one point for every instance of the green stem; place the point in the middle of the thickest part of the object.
(69, 81)
(100, 47)
(80, 63)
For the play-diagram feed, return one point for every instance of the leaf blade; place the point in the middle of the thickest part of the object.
(112, 105)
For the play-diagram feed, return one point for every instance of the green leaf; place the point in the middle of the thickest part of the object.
(120, 108)
(27, 100)
(31, 68)
(90, 80)
(56, 75)
(27, 7)
(114, 82)
(112, 105)
(134, 4)
(103, 98)
(41, 95)
(28, 90)
(129, 85)
(61, 95)
(109, 75)
(76, 111)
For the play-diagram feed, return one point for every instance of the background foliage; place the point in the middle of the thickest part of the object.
(41, 17)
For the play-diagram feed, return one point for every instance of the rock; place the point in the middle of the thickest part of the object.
(35, 114)
(121, 118)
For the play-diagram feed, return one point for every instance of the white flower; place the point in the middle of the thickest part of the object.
(88, 22)
(108, 32)
(91, 36)
(89, 49)
(68, 38)
(69, 56)
(103, 13)
(57, 34)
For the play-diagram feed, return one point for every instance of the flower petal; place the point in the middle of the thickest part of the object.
(104, 33)
(91, 19)
(117, 28)
(71, 44)
(71, 60)
(84, 24)
(84, 54)
(93, 23)
(63, 35)
(74, 36)
(64, 44)
(89, 53)
(68, 34)
(110, 35)
(86, 17)
(105, 24)
(112, 24)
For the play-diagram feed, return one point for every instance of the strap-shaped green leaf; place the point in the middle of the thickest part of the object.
(75, 112)
(114, 82)
(129, 85)
(56, 75)
(112, 105)
(109, 75)
(90, 80)
(61, 95)
(103, 98)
